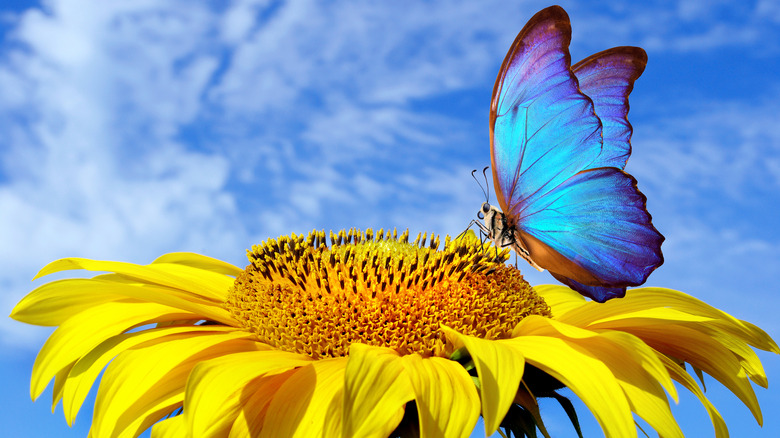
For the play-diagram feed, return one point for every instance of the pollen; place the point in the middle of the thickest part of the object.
(305, 295)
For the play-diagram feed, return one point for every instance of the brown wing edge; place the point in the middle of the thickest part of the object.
(637, 56)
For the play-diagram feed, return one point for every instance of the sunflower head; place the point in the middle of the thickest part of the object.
(300, 295)
(353, 338)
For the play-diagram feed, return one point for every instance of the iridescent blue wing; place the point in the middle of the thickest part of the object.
(543, 129)
(595, 221)
(585, 224)
(608, 78)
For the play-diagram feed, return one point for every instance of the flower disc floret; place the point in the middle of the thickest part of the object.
(301, 295)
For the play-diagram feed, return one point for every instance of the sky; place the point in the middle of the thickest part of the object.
(129, 129)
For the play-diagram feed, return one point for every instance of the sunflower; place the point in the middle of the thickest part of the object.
(370, 335)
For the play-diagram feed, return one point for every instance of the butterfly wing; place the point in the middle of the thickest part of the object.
(596, 220)
(597, 293)
(543, 130)
(608, 78)
(581, 222)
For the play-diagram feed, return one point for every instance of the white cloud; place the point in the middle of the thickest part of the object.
(728, 147)
(135, 128)
(710, 171)
(93, 165)
(769, 9)
(683, 26)
(729, 268)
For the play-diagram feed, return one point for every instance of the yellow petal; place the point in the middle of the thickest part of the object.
(302, 404)
(658, 315)
(87, 369)
(86, 330)
(375, 392)
(52, 303)
(209, 285)
(173, 427)
(679, 374)
(561, 299)
(654, 409)
(635, 365)
(500, 369)
(708, 328)
(535, 325)
(626, 346)
(636, 368)
(748, 358)
(251, 417)
(703, 352)
(447, 400)
(59, 383)
(758, 338)
(218, 388)
(654, 297)
(142, 385)
(645, 357)
(585, 374)
(201, 262)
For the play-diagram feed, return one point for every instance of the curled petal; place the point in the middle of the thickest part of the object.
(575, 367)
(447, 400)
(499, 369)
(375, 391)
(209, 285)
(144, 384)
(217, 388)
(320, 384)
(88, 329)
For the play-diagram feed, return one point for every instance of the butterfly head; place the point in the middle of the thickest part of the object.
(494, 220)
(484, 210)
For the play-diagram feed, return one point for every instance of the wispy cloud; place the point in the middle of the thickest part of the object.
(726, 147)
(681, 26)
(709, 170)
(136, 128)
(91, 162)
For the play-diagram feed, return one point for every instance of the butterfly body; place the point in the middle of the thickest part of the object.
(559, 142)
(503, 235)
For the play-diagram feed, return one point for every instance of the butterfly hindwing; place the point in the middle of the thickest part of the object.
(597, 220)
(597, 293)
(608, 78)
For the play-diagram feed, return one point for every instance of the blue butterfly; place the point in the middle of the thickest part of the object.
(559, 140)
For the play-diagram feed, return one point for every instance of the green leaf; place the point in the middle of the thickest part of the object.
(569, 409)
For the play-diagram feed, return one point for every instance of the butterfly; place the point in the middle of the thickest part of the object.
(559, 140)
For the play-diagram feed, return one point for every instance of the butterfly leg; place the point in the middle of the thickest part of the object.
(468, 227)
(484, 232)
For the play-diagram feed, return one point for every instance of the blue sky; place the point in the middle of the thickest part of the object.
(135, 128)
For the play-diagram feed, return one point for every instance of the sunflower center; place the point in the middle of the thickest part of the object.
(298, 294)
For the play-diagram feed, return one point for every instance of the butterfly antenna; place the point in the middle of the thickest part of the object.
(487, 193)
(480, 184)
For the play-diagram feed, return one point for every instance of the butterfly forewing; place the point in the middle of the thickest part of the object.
(543, 129)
